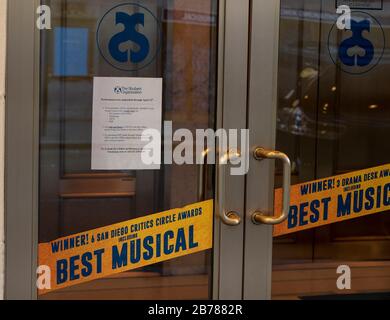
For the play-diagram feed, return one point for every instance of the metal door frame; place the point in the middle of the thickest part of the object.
(22, 150)
(22, 146)
(232, 114)
(262, 107)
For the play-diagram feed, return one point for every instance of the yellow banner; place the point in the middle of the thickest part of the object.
(127, 245)
(335, 199)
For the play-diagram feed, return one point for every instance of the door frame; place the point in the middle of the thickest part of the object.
(22, 146)
(262, 108)
(232, 114)
(21, 150)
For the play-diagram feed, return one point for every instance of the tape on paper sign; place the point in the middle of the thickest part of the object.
(340, 198)
(128, 245)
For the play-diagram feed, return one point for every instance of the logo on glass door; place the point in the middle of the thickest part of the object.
(359, 49)
(128, 37)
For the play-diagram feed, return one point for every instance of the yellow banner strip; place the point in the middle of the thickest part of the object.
(127, 245)
(339, 198)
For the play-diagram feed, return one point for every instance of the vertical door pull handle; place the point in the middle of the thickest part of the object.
(229, 218)
(259, 217)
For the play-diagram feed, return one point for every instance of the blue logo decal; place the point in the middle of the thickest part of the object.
(358, 40)
(360, 49)
(129, 37)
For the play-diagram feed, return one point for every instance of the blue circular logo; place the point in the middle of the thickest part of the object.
(359, 49)
(129, 37)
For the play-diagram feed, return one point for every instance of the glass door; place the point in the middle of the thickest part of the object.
(101, 73)
(330, 116)
(73, 197)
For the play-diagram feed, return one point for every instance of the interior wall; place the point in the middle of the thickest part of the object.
(3, 6)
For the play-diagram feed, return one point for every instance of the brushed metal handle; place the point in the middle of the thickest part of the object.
(229, 218)
(259, 217)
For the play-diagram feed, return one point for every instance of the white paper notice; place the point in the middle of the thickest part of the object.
(123, 108)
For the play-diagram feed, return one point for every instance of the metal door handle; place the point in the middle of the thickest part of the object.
(229, 218)
(259, 217)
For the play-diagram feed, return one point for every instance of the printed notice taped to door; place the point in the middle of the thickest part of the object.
(123, 109)
(335, 199)
(126, 246)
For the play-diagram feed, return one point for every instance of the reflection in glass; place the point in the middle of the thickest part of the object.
(330, 122)
(72, 197)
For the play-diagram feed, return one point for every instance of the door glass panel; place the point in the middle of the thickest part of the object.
(333, 117)
(72, 197)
